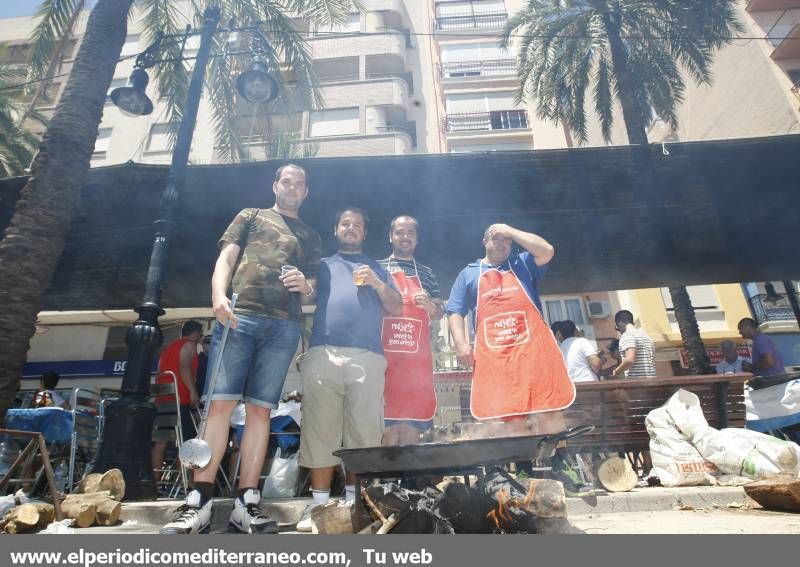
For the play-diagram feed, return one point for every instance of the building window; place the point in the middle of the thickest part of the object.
(131, 45)
(159, 138)
(334, 122)
(351, 25)
(702, 296)
(483, 111)
(568, 308)
(561, 309)
(460, 14)
(483, 59)
(101, 145)
(103, 140)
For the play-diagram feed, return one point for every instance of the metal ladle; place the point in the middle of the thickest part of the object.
(195, 453)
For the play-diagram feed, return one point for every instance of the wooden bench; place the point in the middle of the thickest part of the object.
(617, 408)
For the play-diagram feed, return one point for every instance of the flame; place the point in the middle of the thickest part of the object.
(501, 516)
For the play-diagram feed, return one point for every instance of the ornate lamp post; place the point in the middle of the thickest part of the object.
(129, 420)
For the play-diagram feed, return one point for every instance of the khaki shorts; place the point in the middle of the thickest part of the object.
(342, 402)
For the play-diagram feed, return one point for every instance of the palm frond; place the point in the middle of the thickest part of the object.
(56, 21)
(162, 19)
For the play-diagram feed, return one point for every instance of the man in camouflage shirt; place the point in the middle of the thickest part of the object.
(265, 330)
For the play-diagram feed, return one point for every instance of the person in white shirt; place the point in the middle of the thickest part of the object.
(733, 362)
(582, 358)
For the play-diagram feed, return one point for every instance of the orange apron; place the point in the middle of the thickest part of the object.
(519, 368)
(408, 393)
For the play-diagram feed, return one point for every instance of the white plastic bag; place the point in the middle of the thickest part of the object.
(282, 479)
(676, 462)
(680, 425)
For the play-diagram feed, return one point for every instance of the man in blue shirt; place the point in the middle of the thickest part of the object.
(529, 266)
(343, 371)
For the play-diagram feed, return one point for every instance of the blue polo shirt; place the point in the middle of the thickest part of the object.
(464, 295)
(348, 315)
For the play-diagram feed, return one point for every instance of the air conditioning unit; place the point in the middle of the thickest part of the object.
(598, 309)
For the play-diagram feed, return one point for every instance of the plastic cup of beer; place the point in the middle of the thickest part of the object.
(358, 278)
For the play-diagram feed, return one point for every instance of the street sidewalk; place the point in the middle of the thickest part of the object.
(148, 517)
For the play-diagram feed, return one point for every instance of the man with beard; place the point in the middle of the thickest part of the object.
(270, 259)
(409, 396)
(343, 371)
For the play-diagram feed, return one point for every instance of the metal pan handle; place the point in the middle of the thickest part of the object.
(567, 434)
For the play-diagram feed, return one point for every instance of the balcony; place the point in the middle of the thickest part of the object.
(789, 47)
(472, 69)
(485, 121)
(481, 21)
(772, 309)
(771, 5)
(389, 43)
(382, 143)
(387, 90)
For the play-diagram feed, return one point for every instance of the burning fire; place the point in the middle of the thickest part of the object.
(502, 515)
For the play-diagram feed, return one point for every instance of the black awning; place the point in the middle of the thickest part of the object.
(716, 212)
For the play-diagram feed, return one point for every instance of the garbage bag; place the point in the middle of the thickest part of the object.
(686, 450)
(282, 479)
(676, 462)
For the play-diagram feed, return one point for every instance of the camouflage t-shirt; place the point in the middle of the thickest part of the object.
(268, 241)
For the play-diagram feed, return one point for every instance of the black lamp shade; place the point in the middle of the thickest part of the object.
(131, 99)
(256, 85)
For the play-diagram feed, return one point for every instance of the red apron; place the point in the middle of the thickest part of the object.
(408, 393)
(519, 368)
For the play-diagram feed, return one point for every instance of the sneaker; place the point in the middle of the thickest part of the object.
(192, 517)
(248, 517)
(306, 524)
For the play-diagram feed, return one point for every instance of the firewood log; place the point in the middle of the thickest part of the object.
(333, 519)
(90, 483)
(82, 512)
(23, 518)
(616, 474)
(46, 513)
(546, 498)
(114, 482)
(778, 493)
(108, 512)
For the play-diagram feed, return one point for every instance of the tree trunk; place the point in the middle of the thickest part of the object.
(690, 331)
(33, 242)
(637, 135)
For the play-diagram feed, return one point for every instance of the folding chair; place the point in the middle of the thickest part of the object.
(167, 427)
(87, 417)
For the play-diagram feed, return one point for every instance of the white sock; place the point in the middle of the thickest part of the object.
(349, 492)
(320, 497)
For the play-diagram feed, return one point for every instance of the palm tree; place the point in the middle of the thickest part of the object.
(579, 53)
(17, 143)
(34, 239)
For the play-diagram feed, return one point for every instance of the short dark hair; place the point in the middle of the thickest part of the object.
(613, 345)
(398, 217)
(624, 316)
(568, 329)
(50, 379)
(748, 321)
(555, 327)
(190, 327)
(356, 210)
(279, 171)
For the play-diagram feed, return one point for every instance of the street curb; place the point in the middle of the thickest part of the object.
(655, 499)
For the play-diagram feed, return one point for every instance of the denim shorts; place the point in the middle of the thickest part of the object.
(255, 359)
